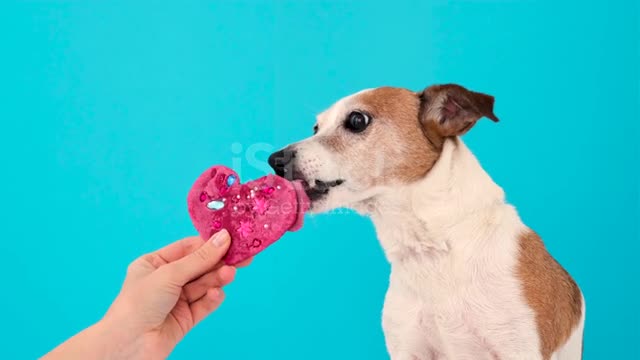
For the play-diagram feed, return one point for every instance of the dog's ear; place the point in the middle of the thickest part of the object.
(452, 110)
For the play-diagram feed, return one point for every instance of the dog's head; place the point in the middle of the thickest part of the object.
(377, 138)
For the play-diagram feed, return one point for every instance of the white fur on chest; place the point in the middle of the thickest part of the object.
(452, 244)
(461, 303)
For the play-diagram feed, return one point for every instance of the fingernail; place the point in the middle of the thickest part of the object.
(220, 238)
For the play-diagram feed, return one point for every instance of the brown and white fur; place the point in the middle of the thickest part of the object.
(468, 279)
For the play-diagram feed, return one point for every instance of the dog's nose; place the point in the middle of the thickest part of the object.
(282, 162)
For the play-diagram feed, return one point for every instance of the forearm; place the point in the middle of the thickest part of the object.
(100, 342)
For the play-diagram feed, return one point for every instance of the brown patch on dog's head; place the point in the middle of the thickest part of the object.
(400, 110)
(551, 293)
(393, 147)
(417, 123)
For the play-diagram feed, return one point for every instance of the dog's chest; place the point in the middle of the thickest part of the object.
(464, 302)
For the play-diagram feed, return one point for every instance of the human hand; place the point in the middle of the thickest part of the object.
(164, 295)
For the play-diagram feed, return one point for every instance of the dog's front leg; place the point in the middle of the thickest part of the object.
(405, 333)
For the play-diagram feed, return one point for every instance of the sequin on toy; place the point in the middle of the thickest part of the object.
(203, 196)
(217, 224)
(231, 179)
(215, 205)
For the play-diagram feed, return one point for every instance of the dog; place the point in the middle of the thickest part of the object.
(468, 279)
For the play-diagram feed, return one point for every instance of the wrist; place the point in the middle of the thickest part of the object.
(114, 340)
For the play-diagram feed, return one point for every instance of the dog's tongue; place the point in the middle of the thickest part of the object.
(256, 214)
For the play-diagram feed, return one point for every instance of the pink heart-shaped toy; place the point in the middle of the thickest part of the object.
(255, 214)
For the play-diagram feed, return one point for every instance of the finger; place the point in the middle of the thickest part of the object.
(200, 261)
(238, 265)
(174, 251)
(244, 263)
(217, 278)
(207, 304)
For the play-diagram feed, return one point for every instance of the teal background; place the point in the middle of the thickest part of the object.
(109, 110)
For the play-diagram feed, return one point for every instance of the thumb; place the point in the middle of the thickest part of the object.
(200, 261)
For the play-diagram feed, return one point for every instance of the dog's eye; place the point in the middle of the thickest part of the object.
(315, 129)
(357, 121)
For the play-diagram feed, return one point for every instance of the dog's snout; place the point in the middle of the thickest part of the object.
(282, 162)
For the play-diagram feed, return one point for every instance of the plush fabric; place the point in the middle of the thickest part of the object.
(255, 214)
